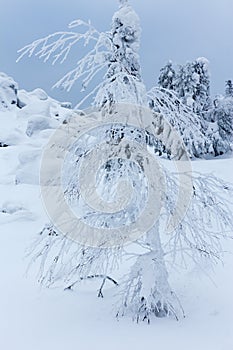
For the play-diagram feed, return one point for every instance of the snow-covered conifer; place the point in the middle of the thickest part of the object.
(229, 88)
(113, 53)
(221, 125)
(167, 76)
(186, 81)
(182, 118)
(123, 82)
(145, 291)
(193, 85)
(202, 88)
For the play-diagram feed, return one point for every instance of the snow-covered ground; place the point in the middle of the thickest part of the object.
(33, 318)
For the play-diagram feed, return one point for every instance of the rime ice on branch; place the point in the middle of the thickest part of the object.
(115, 52)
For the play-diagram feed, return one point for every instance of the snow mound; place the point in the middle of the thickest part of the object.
(11, 207)
(28, 127)
(29, 167)
(8, 92)
(38, 123)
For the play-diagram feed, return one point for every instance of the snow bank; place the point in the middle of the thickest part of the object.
(28, 126)
(8, 92)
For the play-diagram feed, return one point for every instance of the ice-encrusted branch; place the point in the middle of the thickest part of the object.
(207, 221)
(181, 117)
(57, 47)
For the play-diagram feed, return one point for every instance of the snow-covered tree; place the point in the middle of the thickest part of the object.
(189, 108)
(186, 82)
(202, 89)
(193, 85)
(229, 88)
(182, 118)
(145, 290)
(167, 76)
(221, 125)
(123, 82)
(116, 52)
(216, 120)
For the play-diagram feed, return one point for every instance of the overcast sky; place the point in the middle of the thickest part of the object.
(179, 30)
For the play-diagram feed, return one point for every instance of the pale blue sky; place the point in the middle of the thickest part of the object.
(179, 30)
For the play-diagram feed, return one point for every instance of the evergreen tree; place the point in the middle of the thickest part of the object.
(186, 83)
(123, 81)
(180, 106)
(221, 125)
(167, 76)
(229, 89)
(182, 118)
(202, 89)
(145, 291)
(193, 85)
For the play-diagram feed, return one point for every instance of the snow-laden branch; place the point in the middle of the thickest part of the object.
(208, 219)
(144, 291)
(57, 46)
(180, 116)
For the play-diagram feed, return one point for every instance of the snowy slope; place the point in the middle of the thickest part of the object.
(35, 318)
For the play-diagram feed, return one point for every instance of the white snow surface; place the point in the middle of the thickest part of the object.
(33, 318)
